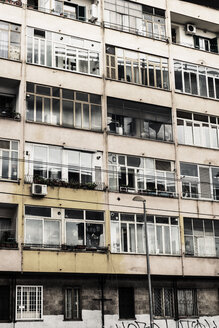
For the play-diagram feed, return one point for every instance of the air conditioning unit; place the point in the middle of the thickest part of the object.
(39, 189)
(190, 29)
(93, 13)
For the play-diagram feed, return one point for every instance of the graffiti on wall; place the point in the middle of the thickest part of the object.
(179, 324)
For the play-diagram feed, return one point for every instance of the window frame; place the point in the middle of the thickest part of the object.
(73, 290)
(212, 127)
(12, 28)
(56, 45)
(118, 248)
(37, 289)
(144, 64)
(10, 160)
(194, 237)
(141, 176)
(85, 222)
(61, 98)
(198, 71)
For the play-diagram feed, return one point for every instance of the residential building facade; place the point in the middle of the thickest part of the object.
(101, 101)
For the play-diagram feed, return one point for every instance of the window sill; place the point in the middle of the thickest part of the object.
(197, 146)
(65, 70)
(202, 256)
(29, 320)
(139, 85)
(64, 127)
(193, 48)
(9, 180)
(97, 23)
(131, 318)
(73, 319)
(119, 29)
(140, 138)
(13, 60)
(196, 96)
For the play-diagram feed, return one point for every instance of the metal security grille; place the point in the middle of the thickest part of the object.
(163, 302)
(187, 302)
(29, 302)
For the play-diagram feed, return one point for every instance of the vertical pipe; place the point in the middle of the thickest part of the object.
(148, 268)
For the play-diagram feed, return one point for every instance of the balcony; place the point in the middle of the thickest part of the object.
(86, 12)
(193, 33)
(135, 18)
(139, 120)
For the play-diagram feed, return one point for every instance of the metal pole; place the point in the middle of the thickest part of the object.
(148, 268)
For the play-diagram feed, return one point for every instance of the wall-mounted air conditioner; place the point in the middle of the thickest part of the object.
(190, 29)
(93, 16)
(39, 189)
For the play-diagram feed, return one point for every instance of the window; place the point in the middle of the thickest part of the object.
(63, 107)
(187, 302)
(135, 18)
(138, 68)
(205, 44)
(199, 181)
(63, 226)
(198, 129)
(126, 303)
(140, 120)
(29, 302)
(56, 163)
(143, 175)
(5, 303)
(127, 234)
(10, 40)
(72, 304)
(84, 228)
(63, 51)
(201, 237)
(8, 159)
(197, 80)
(62, 8)
(8, 215)
(163, 301)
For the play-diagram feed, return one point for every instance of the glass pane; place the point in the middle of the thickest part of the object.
(39, 109)
(159, 240)
(74, 233)
(175, 239)
(115, 237)
(67, 113)
(30, 108)
(47, 115)
(140, 238)
(124, 238)
(51, 232)
(86, 118)
(167, 239)
(33, 231)
(132, 238)
(78, 116)
(96, 118)
(55, 111)
(94, 235)
(5, 164)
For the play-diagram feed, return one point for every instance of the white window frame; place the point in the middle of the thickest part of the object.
(10, 159)
(22, 288)
(65, 41)
(85, 221)
(64, 166)
(211, 127)
(154, 224)
(143, 170)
